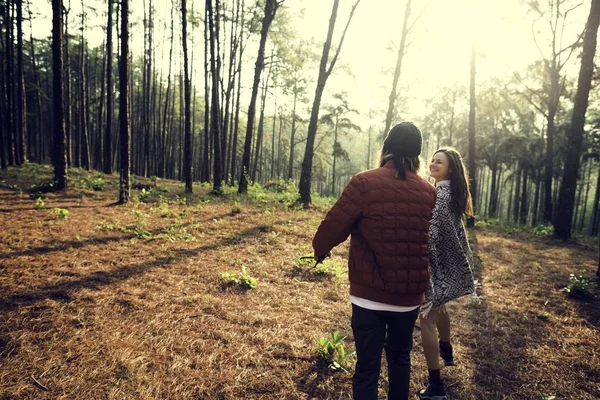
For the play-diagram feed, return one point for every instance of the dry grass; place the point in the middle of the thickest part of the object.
(121, 302)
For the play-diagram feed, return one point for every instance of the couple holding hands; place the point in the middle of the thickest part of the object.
(409, 256)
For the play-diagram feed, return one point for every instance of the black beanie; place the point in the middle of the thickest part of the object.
(403, 140)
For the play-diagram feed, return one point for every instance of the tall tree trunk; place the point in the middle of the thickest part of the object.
(290, 174)
(472, 164)
(163, 162)
(279, 149)
(596, 209)
(524, 203)
(124, 185)
(3, 130)
(85, 146)
(272, 172)
(401, 51)
(187, 158)
(517, 199)
(109, 93)
(67, 82)
(215, 109)
(237, 103)
(99, 164)
(38, 131)
(550, 132)
(324, 72)
(59, 157)
(587, 194)
(562, 224)
(335, 146)
(9, 82)
(205, 167)
(493, 195)
(21, 106)
(536, 199)
(271, 7)
(260, 131)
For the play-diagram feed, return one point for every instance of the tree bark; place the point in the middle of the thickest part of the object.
(562, 223)
(187, 158)
(60, 140)
(472, 165)
(109, 93)
(270, 10)
(324, 72)
(21, 105)
(85, 146)
(215, 109)
(401, 51)
(124, 185)
(237, 103)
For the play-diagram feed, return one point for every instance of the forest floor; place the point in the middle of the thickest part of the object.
(123, 302)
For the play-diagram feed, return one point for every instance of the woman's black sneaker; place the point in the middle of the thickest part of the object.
(446, 354)
(433, 391)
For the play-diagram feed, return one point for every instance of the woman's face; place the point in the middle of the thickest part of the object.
(439, 169)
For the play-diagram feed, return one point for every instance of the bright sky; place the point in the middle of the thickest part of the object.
(438, 56)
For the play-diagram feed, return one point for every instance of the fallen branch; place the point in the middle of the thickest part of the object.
(189, 316)
(39, 384)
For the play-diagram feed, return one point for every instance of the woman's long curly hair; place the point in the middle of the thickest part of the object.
(461, 202)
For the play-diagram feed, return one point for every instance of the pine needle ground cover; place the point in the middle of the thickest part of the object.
(145, 301)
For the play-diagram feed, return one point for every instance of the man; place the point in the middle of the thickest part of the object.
(386, 211)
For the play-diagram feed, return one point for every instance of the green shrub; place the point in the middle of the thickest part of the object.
(97, 184)
(332, 351)
(543, 230)
(42, 187)
(580, 285)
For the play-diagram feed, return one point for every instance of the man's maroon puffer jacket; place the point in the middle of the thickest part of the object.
(388, 220)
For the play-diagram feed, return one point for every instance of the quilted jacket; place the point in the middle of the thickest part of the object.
(388, 221)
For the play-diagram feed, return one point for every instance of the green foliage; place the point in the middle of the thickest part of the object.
(140, 231)
(61, 212)
(580, 285)
(97, 184)
(34, 169)
(163, 210)
(543, 230)
(327, 268)
(42, 187)
(242, 279)
(144, 195)
(5, 185)
(109, 226)
(547, 397)
(486, 223)
(176, 232)
(332, 351)
(39, 203)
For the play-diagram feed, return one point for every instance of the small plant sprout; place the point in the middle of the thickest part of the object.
(39, 203)
(332, 351)
(241, 279)
(61, 212)
(580, 285)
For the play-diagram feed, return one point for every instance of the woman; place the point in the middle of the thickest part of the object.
(451, 261)
(386, 211)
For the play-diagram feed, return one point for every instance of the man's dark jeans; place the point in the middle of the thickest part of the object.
(374, 330)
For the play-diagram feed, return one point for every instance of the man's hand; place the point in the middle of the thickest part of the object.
(319, 259)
